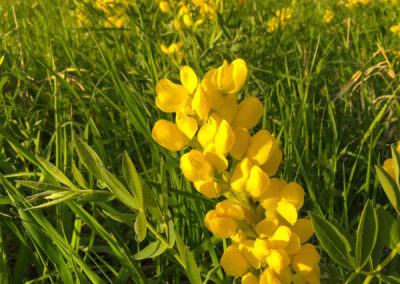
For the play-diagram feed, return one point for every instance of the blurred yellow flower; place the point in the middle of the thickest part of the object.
(280, 20)
(395, 29)
(328, 16)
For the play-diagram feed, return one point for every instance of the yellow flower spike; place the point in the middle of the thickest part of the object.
(388, 166)
(249, 113)
(287, 211)
(261, 147)
(221, 227)
(269, 277)
(272, 195)
(240, 175)
(294, 194)
(272, 164)
(266, 227)
(233, 262)
(225, 138)
(165, 7)
(228, 107)
(224, 78)
(294, 244)
(195, 166)
(188, 78)
(208, 130)
(258, 182)
(215, 158)
(278, 259)
(168, 135)
(281, 237)
(304, 229)
(186, 124)
(249, 278)
(208, 188)
(228, 209)
(305, 259)
(242, 141)
(261, 248)
(171, 97)
(239, 74)
(246, 247)
(178, 24)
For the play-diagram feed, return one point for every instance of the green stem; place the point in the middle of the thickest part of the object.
(368, 279)
(387, 260)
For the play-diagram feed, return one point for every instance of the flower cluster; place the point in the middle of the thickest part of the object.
(112, 9)
(395, 29)
(388, 164)
(353, 3)
(260, 212)
(187, 14)
(280, 20)
(173, 51)
(328, 16)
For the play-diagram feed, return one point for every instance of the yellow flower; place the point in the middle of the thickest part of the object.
(168, 135)
(305, 259)
(186, 124)
(228, 209)
(272, 195)
(165, 7)
(328, 16)
(278, 259)
(294, 244)
(188, 78)
(231, 78)
(269, 277)
(258, 182)
(304, 229)
(294, 194)
(249, 278)
(395, 29)
(208, 188)
(287, 211)
(261, 147)
(241, 174)
(195, 166)
(261, 248)
(246, 247)
(187, 20)
(178, 24)
(242, 141)
(207, 97)
(208, 130)
(249, 113)
(281, 237)
(266, 227)
(228, 107)
(225, 138)
(171, 97)
(222, 227)
(215, 158)
(233, 262)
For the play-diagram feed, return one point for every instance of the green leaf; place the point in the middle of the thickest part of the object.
(79, 176)
(335, 243)
(367, 233)
(56, 173)
(192, 268)
(140, 227)
(133, 179)
(396, 165)
(390, 187)
(152, 250)
(41, 186)
(391, 279)
(88, 157)
(389, 228)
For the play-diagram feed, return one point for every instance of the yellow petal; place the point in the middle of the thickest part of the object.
(304, 229)
(164, 49)
(287, 211)
(388, 166)
(281, 237)
(286, 275)
(249, 278)
(188, 78)
(225, 82)
(240, 175)
(305, 259)
(272, 195)
(266, 227)
(215, 158)
(233, 262)
(212, 75)
(249, 113)
(294, 244)
(168, 135)
(228, 209)
(186, 124)
(269, 277)
(261, 147)
(272, 164)
(294, 194)
(164, 6)
(261, 249)
(178, 24)
(225, 138)
(208, 130)
(258, 182)
(246, 247)
(195, 166)
(242, 141)
(228, 107)
(278, 260)
(221, 227)
(314, 277)
(239, 74)
(200, 104)
(208, 188)
(171, 97)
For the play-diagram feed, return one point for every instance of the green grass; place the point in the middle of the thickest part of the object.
(59, 77)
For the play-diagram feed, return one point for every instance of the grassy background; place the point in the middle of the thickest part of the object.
(330, 93)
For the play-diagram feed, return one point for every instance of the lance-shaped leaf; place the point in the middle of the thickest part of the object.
(390, 187)
(152, 250)
(389, 228)
(367, 233)
(89, 158)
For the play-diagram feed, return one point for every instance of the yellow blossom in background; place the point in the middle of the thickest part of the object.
(328, 16)
(280, 20)
(260, 211)
(353, 3)
(173, 51)
(395, 29)
(114, 12)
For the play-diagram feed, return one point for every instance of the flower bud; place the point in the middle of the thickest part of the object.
(168, 135)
